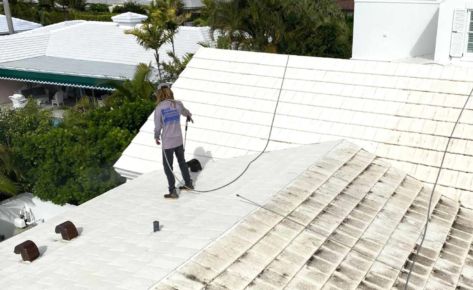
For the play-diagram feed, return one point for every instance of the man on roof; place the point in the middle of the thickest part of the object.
(167, 122)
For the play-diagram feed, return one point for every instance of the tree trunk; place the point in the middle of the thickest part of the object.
(64, 11)
(172, 43)
(156, 55)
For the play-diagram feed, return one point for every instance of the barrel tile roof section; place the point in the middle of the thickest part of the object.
(350, 221)
(402, 112)
(17, 46)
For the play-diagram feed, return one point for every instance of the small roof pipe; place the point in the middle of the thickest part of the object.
(6, 8)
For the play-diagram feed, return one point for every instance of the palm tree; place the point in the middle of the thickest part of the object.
(152, 35)
(174, 67)
(304, 27)
(173, 16)
(7, 169)
(140, 87)
(227, 18)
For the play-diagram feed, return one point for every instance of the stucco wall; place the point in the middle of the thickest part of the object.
(392, 30)
(8, 88)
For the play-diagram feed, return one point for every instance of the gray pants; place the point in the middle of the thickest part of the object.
(179, 151)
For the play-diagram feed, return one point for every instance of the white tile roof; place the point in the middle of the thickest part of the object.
(117, 249)
(93, 41)
(401, 112)
(67, 66)
(350, 221)
(19, 25)
(17, 46)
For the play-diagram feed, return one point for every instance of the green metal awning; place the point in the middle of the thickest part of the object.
(56, 79)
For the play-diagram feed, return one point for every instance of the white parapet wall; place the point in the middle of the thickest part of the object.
(42, 211)
(393, 30)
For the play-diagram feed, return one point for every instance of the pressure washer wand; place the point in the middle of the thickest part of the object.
(185, 134)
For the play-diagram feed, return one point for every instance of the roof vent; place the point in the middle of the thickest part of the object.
(156, 227)
(68, 230)
(28, 250)
(129, 19)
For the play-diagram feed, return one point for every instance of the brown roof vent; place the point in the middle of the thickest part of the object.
(67, 229)
(28, 250)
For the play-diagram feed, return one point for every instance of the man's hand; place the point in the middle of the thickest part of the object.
(189, 118)
(157, 142)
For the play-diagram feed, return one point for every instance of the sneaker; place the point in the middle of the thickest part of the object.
(186, 187)
(173, 194)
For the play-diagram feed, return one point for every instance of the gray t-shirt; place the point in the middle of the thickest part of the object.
(167, 117)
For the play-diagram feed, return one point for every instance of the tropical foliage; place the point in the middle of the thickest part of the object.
(302, 27)
(140, 87)
(8, 186)
(72, 162)
(152, 35)
(175, 66)
(164, 19)
(129, 6)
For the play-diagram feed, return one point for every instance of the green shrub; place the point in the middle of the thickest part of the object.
(91, 16)
(129, 6)
(71, 162)
(97, 7)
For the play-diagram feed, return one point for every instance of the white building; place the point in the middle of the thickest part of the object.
(432, 31)
(83, 54)
(19, 25)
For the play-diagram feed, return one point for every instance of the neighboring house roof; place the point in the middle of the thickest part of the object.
(402, 112)
(91, 43)
(117, 248)
(350, 221)
(193, 4)
(188, 4)
(52, 70)
(335, 215)
(19, 25)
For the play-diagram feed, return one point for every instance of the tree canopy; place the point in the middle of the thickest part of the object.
(302, 27)
(161, 26)
(72, 161)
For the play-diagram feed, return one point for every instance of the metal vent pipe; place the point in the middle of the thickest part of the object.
(6, 8)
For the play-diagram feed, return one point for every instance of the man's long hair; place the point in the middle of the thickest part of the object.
(163, 94)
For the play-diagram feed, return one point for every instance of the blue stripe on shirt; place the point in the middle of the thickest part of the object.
(170, 115)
